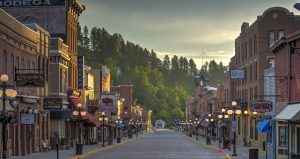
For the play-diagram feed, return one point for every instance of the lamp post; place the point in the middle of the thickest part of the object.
(103, 118)
(190, 125)
(129, 128)
(5, 93)
(210, 120)
(235, 112)
(196, 127)
(78, 113)
(222, 116)
(119, 122)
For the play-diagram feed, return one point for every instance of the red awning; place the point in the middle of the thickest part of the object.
(74, 102)
(90, 120)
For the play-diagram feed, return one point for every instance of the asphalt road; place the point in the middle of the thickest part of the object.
(163, 144)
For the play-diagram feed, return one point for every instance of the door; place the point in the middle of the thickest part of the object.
(298, 139)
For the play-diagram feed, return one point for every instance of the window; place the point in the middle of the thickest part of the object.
(251, 72)
(18, 62)
(4, 62)
(23, 64)
(63, 81)
(254, 44)
(250, 47)
(280, 34)
(271, 63)
(239, 126)
(28, 64)
(12, 62)
(283, 136)
(251, 128)
(256, 132)
(33, 66)
(271, 38)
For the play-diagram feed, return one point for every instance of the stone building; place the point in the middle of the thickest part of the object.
(25, 51)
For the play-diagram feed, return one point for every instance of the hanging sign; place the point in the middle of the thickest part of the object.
(262, 106)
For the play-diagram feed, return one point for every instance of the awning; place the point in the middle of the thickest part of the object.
(291, 112)
(90, 120)
(74, 102)
(264, 126)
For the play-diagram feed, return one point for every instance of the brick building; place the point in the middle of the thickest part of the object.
(253, 55)
(125, 92)
(287, 71)
(26, 49)
(60, 19)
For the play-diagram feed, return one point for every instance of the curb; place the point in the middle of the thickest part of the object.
(214, 148)
(103, 149)
(208, 146)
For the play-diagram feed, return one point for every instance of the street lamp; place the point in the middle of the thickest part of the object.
(209, 120)
(196, 126)
(235, 112)
(222, 116)
(119, 123)
(130, 128)
(6, 93)
(78, 113)
(103, 118)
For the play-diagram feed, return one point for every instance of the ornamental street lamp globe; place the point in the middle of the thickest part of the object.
(4, 78)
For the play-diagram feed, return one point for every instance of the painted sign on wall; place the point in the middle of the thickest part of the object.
(80, 71)
(52, 19)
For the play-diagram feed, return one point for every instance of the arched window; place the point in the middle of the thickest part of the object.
(22, 64)
(28, 64)
(18, 62)
(33, 66)
(4, 61)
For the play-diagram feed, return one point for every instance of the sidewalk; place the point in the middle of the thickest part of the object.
(242, 152)
(70, 154)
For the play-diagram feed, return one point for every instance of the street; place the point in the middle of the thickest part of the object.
(162, 144)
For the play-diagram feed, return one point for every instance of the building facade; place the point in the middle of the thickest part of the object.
(25, 50)
(287, 67)
(253, 55)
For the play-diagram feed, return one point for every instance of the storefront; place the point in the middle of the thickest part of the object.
(288, 130)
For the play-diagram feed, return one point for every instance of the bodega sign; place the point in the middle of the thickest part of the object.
(30, 3)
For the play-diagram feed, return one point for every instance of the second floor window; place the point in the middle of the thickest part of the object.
(271, 38)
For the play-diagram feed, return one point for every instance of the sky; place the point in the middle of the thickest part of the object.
(200, 29)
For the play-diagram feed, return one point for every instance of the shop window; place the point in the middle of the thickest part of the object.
(283, 136)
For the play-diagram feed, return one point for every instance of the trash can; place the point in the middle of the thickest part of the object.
(79, 149)
(225, 143)
(253, 153)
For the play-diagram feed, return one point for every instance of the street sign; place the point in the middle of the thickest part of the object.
(297, 6)
(234, 124)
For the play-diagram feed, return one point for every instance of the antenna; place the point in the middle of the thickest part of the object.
(202, 56)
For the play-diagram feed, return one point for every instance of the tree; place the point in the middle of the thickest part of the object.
(79, 35)
(192, 67)
(86, 40)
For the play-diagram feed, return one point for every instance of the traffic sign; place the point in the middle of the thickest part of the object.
(297, 6)
(234, 124)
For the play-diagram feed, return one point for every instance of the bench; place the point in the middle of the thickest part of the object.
(45, 146)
